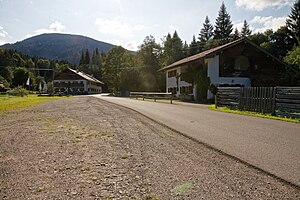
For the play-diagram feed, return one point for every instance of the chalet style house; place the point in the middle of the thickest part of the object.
(238, 63)
(75, 82)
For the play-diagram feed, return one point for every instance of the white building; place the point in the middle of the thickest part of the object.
(238, 63)
(75, 82)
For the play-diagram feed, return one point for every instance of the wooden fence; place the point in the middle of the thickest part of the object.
(280, 101)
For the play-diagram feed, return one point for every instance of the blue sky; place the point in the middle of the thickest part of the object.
(128, 22)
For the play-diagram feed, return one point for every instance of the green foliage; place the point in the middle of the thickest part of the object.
(212, 44)
(223, 26)
(245, 32)
(280, 42)
(18, 91)
(15, 68)
(20, 76)
(198, 75)
(112, 68)
(203, 83)
(206, 32)
(149, 59)
(293, 57)
(293, 21)
(173, 49)
(194, 47)
(236, 34)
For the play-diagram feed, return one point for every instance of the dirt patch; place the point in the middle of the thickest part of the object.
(86, 148)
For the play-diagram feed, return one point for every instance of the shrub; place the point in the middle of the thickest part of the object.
(18, 91)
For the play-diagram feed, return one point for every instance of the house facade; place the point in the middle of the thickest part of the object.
(238, 63)
(75, 82)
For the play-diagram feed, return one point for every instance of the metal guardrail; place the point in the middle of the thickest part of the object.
(153, 95)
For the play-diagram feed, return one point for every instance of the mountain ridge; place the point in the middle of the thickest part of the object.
(59, 46)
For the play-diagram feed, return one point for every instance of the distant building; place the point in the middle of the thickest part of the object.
(238, 63)
(75, 82)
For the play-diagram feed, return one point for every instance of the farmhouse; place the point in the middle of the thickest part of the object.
(75, 82)
(238, 63)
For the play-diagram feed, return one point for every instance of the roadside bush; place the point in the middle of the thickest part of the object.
(18, 91)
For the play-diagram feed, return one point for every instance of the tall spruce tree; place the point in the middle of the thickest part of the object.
(193, 48)
(206, 32)
(245, 32)
(173, 49)
(236, 34)
(87, 57)
(293, 21)
(177, 47)
(223, 26)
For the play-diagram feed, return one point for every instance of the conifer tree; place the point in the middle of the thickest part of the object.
(173, 49)
(82, 59)
(236, 34)
(245, 32)
(293, 21)
(223, 26)
(193, 48)
(206, 32)
(87, 57)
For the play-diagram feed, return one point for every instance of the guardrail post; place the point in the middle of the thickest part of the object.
(171, 99)
(274, 101)
(216, 99)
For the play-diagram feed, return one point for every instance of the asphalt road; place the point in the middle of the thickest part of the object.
(271, 145)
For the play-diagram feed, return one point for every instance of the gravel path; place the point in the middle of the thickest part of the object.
(86, 148)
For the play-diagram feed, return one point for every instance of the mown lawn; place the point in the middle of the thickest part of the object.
(8, 103)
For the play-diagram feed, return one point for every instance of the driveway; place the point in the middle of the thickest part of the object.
(271, 145)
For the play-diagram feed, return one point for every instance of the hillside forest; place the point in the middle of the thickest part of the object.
(123, 70)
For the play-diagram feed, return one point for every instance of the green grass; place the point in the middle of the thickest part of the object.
(181, 189)
(8, 103)
(253, 114)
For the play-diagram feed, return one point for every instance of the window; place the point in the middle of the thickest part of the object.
(172, 73)
(241, 63)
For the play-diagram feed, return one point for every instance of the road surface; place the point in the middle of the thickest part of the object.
(271, 145)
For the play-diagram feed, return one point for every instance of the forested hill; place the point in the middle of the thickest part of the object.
(57, 46)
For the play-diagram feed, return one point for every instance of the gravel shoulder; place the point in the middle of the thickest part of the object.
(87, 148)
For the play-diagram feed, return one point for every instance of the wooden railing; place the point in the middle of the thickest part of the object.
(280, 101)
(152, 95)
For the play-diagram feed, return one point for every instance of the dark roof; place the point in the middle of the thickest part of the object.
(216, 50)
(86, 76)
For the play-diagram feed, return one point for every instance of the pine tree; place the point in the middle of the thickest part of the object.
(245, 32)
(81, 62)
(236, 34)
(223, 27)
(185, 49)
(206, 32)
(293, 21)
(173, 49)
(193, 48)
(87, 57)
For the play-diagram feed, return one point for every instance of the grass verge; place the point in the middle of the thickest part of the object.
(253, 114)
(8, 103)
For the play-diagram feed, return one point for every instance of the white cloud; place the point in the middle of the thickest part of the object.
(118, 28)
(260, 5)
(3, 35)
(114, 27)
(55, 27)
(263, 23)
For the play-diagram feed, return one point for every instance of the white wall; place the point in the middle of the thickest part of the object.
(171, 82)
(213, 74)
